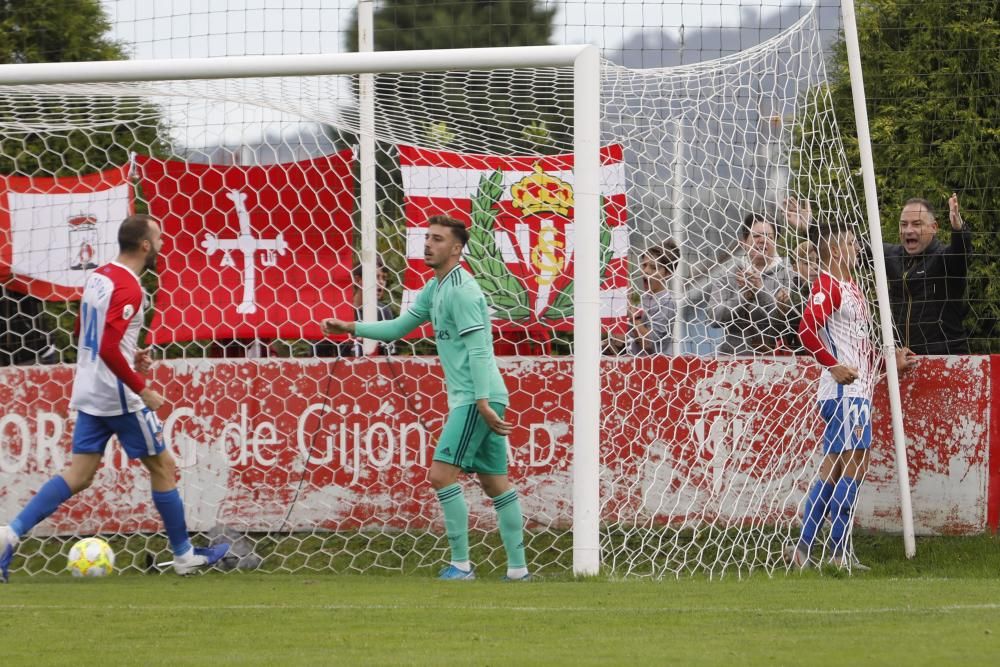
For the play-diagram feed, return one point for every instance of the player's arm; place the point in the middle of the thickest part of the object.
(823, 302)
(471, 321)
(386, 330)
(126, 303)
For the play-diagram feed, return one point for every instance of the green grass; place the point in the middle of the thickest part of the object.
(941, 609)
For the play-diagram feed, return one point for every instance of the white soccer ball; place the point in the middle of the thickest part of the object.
(91, 557)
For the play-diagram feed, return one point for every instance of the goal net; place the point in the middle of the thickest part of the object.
(311, 452)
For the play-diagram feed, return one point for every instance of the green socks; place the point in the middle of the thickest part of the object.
(456, 521)
(511, 525)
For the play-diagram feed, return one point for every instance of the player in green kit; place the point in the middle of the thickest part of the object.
(475, 436)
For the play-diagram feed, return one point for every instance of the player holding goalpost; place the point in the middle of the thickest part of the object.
(475, 435)
(835, 330)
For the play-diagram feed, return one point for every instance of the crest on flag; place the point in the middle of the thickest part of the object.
(55, 230)
(520, 212)
(83, 240)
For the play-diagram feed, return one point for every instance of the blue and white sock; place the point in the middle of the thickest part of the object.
(814, 513)
(48, 499)
(171, 509)
(845, 494)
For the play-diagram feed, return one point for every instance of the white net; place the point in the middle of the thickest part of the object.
(312, 455)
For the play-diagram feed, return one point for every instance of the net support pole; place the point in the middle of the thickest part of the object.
(881, 282)
(677, 232)
(587, 316)
(366, 163)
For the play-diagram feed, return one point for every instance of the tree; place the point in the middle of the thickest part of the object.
(43, 133)
(55, 32)
(931, 73)
(66, 31)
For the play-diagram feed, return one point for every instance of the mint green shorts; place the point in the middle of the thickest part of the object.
(468, 443)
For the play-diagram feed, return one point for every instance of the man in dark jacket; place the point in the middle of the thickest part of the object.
(927, 280)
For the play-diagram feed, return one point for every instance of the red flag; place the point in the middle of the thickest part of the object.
(251, 251)
(528, 205)
(55, 231)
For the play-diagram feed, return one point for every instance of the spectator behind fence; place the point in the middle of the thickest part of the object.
(653, 321)
(353, 347)
(754, 299)
(805, 271)
(927, 280)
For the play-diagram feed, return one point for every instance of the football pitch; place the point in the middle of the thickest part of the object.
(942, 609)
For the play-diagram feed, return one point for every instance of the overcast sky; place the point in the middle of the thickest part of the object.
(194, 28)
(200, 28)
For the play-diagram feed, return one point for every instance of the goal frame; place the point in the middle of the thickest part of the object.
(586, 63)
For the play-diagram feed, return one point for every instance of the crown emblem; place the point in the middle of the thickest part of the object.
(540, 192)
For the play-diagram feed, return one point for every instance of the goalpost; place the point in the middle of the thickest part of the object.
(569, 171)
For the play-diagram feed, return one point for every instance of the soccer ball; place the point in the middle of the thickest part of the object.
(91, 557)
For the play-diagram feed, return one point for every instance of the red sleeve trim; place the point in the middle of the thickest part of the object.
(126, 304)
(824, 300)
(111, 355)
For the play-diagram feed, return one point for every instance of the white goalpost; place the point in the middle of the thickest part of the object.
(605, 208)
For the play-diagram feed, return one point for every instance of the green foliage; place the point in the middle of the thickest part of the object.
(503, 290)
(68, 31)
(68, 135)
(55, 32)
(562, 306)
(931, 73)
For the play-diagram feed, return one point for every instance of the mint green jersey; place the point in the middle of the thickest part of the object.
(456, 308)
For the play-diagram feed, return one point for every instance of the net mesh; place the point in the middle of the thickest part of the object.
(312, 455)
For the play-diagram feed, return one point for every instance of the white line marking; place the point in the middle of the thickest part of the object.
(988, 606)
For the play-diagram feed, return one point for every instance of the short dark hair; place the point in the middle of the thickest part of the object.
(359, 269)
(457, 227)
(133, 231)
(920, 201)
(665, 256)
(752, 219)
(822, 233)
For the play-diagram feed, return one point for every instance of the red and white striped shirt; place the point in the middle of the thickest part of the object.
(836, 329)
(108, 332)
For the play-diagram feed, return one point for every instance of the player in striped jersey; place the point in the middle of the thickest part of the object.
(112, 398)
(475, 436)
(835, 329)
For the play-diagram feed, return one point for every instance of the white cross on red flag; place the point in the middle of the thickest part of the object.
(251, 251)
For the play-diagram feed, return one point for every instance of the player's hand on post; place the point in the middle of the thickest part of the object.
(152, 398)
(492, 419)
(332, 325)
(844, 374)
(954, 213)
(905, 359)
(143, 361)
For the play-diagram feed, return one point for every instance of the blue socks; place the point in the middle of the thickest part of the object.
(171, 509)
(48, 499)
(845, 493)
(814, 512)
(55, 492)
